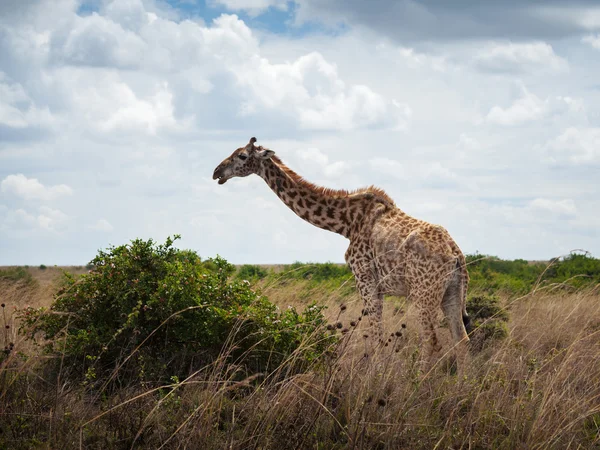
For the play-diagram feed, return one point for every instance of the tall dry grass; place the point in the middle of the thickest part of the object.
(537, 389)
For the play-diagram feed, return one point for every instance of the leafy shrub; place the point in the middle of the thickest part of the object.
(327, 277)
(576, 269)
(251, 272)
(170, 312)
(488, 320)
(17, 274)
(318, 271)
(43, 267)
(490, 274)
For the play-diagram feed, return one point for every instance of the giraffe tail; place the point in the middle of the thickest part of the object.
(467, 322)
(462, 267)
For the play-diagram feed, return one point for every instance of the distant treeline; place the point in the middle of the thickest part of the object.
(489, 274)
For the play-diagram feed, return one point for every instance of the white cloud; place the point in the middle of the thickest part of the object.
(527, 108)
(47, 219)
(593, 40)
(575, 145)
(130, 14)
(564, 207)
(311, 89)
(306, 90)
(570, 104)
(317, 158)
(467, 142)
(51, 219)
(10, 95)
(336, 169)
(253, 7)
(102, 225)
(32, 189)
(110, 104)
(584, 18)
(431, 207)
(313, 155)
(17, 109)
(388, 166)
(19, 219)
(436, 175)
(430, 174)
(415, 59)
(519, 57)
(98, 41)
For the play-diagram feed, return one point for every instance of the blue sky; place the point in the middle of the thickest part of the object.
(483, 117)
(278, 18)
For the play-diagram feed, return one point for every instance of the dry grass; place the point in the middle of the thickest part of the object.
(537, 389)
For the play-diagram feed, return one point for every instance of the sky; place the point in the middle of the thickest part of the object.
(480, 116)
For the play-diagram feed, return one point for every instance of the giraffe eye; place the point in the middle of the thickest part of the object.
(242, 156)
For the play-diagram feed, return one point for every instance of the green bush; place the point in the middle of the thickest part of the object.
(251, 272)
(327, 277)
(577, 270)
(17, 274)
(488, 320)
(43, 267)
(171, 312)
(490, 274)
(318, 271)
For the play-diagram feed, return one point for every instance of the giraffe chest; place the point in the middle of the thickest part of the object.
(389, 260)
(380, 260)
(390, 269)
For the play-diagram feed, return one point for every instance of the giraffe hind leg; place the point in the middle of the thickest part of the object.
(429, 342)
(453, 307)
(368, 287)
(430, 275)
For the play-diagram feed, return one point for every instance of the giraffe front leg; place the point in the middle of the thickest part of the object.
(429, 342)
(367, 284)
(373, 309)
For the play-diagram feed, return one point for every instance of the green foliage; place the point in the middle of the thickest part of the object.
(318, 271)
(14, 274)
(591, 426)
(577, 270)
(490, 274)
(43, 267)
(483, 307)
(328, 277)
(488, 319)
(251, 272)
(166, 311)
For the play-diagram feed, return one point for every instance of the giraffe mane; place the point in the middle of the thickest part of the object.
(374, 191)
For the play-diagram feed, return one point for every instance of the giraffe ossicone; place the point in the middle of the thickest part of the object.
(390, 252)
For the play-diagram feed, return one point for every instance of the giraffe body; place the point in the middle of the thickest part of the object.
(404, 256)
(390, 252)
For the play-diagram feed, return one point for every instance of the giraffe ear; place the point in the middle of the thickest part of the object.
(264, 153)
(250, 145)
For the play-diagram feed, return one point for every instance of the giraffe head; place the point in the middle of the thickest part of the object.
(242, 162)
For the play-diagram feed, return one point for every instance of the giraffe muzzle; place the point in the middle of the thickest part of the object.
(218, 175)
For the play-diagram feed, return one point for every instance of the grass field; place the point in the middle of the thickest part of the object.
(538, 388)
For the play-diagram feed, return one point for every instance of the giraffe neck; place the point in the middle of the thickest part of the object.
(332, 210)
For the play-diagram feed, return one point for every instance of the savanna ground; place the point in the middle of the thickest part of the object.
(532, 380)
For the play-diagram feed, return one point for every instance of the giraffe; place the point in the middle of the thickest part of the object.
(390, 252)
